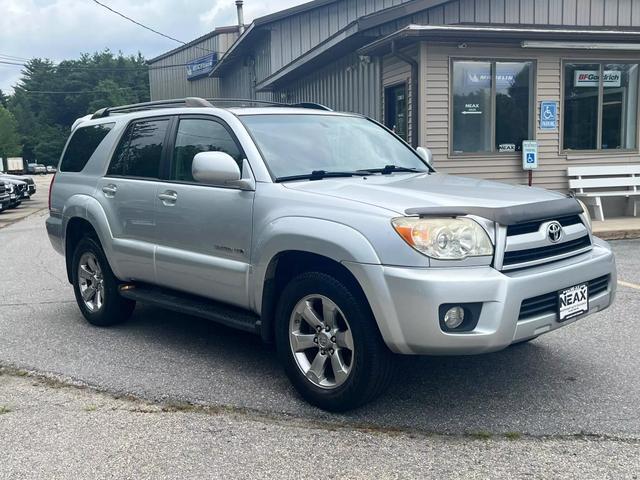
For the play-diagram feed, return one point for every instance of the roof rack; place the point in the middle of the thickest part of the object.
(202, 103)
(249, 101)
(137, 107)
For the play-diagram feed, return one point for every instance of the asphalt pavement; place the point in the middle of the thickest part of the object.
(575, 384)
(51, 431)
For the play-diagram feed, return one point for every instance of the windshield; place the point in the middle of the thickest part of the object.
(300, 144)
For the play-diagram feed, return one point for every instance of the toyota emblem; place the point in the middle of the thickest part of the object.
(554, 232)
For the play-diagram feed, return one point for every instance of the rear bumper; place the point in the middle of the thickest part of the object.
(406, 301)
(54, 231)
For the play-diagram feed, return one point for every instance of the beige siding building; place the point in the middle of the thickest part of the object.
(469, 79)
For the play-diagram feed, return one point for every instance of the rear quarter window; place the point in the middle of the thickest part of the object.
(84, 141)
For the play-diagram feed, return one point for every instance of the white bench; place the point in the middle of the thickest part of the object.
(593, 183)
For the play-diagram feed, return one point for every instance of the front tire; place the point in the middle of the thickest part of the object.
(96, 287)
(329, 343)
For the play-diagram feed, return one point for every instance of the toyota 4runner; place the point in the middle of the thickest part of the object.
(323, 232)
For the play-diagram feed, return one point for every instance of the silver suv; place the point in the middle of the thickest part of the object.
(323, 232)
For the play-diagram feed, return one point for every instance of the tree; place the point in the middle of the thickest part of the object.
(9, 139)
(4, 99)
(49, 97)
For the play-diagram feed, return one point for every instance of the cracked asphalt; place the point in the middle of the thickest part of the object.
(564, 404)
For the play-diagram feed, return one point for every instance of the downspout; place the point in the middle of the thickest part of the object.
(415, 86)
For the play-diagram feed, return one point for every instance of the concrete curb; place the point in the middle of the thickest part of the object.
(617, 234)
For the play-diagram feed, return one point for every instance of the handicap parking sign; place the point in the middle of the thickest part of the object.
(548, 115)
(529, 154)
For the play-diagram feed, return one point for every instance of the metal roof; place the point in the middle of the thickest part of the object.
(471, 32)
(376, 18)
(207, 36)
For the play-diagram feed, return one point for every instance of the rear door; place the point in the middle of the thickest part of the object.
(128, 196)
(203, 231)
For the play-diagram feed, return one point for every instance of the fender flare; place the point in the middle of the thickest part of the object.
(336, 241)
(89, 209)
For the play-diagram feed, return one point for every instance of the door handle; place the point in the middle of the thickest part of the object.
(168, 197)
(110, 190)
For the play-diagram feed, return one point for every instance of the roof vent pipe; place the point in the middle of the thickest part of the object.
(240, 16)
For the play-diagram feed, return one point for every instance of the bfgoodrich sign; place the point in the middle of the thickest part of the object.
(590, 78)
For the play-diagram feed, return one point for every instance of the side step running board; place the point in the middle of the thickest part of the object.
(192, 305)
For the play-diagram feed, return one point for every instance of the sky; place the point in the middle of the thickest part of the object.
(63, 29)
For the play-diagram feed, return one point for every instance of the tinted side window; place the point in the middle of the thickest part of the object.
(140, 150)
(83, 143)
(195, 136)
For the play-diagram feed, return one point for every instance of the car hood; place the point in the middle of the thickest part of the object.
(399, 192)
(14, 181)
(22, 178)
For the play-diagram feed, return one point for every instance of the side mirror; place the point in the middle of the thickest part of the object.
(426, 154)
(216, 168)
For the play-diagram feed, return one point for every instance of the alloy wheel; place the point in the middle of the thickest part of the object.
(91, 282)
(321, 341)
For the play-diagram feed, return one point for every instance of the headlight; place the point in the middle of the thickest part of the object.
(444, 238)
(587, 215)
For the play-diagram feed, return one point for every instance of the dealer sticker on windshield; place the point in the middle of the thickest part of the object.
(573, 301)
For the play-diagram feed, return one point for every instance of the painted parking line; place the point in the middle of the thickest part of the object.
(629, 285)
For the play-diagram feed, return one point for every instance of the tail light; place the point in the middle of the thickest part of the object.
(50, 190)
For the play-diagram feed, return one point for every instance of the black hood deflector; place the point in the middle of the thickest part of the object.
(512, 215)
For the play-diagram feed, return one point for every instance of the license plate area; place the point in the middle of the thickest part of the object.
(573, 301)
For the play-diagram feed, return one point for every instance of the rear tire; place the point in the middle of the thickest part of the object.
(356, 365)
(96, 287)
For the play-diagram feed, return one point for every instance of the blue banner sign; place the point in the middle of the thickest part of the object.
(202, 66)
(548, 115)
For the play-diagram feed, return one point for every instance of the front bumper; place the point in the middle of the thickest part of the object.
(5, 201)
(406, 301)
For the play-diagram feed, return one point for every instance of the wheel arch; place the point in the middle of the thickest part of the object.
(83, 215)
(307, 243)
(286, 265)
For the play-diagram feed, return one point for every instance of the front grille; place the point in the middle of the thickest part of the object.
(548, 303)
(21, 187)
(540, 253)
(3, 188)
(530, 227)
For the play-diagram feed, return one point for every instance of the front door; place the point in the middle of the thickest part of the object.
(395, 108)
(204, 231)
(128, 197)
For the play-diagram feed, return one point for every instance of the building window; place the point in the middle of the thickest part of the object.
(395, 108)
(492, 106)
(600, 106)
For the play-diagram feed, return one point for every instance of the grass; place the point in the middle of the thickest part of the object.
(513, 435)
(4, 409)
(90, 408)
(481, 435)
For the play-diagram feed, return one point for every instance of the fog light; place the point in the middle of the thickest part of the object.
(454, 317)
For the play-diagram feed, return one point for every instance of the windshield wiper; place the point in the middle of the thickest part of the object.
(389, 169)
(320, 174)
